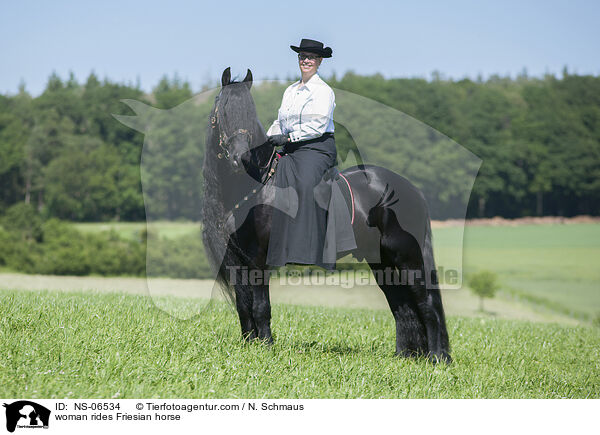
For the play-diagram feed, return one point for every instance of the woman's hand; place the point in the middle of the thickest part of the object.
(278, 139)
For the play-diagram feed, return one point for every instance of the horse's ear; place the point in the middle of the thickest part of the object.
(226, 77)
(248, 79)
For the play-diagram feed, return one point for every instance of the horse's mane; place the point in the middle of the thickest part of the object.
(223, 250)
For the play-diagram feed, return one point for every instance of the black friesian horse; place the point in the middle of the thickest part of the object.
(238, 164)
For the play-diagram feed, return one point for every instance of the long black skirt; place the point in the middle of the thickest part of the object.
(300, 239)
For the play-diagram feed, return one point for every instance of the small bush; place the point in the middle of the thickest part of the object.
(23, 220)
(484, 284)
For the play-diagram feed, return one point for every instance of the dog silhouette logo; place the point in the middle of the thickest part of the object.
(26, 414)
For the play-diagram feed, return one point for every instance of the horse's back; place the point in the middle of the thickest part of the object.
(368, 185)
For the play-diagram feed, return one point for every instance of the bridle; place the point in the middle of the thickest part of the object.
(224, 139)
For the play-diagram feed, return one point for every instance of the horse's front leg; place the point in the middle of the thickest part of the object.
(261, 310)
(261, 306)
(243, 304)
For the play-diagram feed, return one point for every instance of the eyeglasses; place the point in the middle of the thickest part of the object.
(302, 56)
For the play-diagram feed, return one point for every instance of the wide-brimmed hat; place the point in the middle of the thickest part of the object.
(310, 46)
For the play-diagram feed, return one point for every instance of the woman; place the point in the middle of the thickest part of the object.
(305, 129)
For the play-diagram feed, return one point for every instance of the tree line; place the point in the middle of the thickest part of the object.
(63, 152)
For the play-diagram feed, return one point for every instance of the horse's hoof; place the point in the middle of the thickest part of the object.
(249, 337)
(268, 341)
(443, 357)
(405, 353)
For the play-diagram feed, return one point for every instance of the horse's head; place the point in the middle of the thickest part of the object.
(235, 121)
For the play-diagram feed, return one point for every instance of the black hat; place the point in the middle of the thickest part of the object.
(310, 46)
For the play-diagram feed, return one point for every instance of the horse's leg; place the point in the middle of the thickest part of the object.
(410, 334)
(405, 255)
(426, 310)
(261, 306)
(426, 300)
(243, 303)
(261, 311)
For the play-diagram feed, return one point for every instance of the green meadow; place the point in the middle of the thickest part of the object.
(95, 337)
(554, 266)
(111, 345)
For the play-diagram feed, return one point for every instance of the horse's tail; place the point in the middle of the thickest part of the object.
(431, 277)
(433, 286)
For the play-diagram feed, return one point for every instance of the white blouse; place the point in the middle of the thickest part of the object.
(306, 111)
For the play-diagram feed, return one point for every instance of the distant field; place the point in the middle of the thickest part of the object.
(92, 345)
(133, 230)
(456, 302)
(556, 265)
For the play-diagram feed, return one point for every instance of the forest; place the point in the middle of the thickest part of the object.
(64, 153)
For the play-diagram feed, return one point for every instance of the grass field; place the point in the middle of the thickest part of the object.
(456, 302)
(93, 345)
(557, 265)
(104, 337)
(552, 265)
(132, 230)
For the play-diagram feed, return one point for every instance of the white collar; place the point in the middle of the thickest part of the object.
(313, 81)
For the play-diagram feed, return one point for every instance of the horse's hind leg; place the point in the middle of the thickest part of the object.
(410, 333)
(430, 319)
(430, 313)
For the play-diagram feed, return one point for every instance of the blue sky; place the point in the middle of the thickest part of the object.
(128, 41)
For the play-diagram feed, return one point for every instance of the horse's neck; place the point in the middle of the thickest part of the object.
(231, 186)
(262, 152)
(261, 134)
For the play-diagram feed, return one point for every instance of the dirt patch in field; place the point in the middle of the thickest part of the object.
(500, 221)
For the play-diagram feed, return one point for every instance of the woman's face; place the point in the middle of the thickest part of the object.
(309, 62)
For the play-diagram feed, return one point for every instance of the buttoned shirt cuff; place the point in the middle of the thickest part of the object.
(274, 129)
